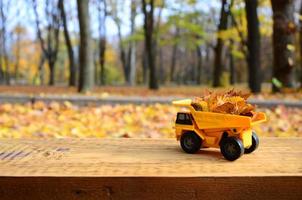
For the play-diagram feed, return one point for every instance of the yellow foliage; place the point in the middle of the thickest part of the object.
(228, 34)
(264, 3)
(19, 30)
(30, 54)
(290, 47)
(110, 55)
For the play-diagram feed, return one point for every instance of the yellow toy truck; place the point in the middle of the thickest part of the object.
(233, 134)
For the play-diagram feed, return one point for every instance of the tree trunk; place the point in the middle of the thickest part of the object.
(283, 37)
(207, 64)
(1, 72)
(223, 22)
(3, 55)
(6, 63)
(156, 47)
(253, 45)
(123, 57)
(132, 47)
(95, 64)
(102, 60)
(161, 70)
(51, 64)
(218, 63)
(86, 79)
(192, 66)
(41, 69)
(199, 64)
(232, 64)
(148, 10)
(173, 57)
(51, 46)
(2, 68)
(145, 67)
(102, 12)
(17, 64)
(72, 67)
(300, 40)
(132, 64)
(173, 62)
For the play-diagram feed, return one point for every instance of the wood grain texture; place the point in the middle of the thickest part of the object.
(146, 169)
(143, 157)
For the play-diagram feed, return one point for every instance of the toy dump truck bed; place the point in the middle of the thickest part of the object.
(208, 120)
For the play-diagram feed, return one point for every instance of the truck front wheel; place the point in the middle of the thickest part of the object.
(190, 142)
(231, 148)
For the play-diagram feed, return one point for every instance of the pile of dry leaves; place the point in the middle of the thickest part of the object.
(230, 102)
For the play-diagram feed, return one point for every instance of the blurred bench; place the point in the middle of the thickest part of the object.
(146, 169)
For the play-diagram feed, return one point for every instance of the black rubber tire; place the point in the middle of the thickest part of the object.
(255, 144)
(231, 148)
(190, 142)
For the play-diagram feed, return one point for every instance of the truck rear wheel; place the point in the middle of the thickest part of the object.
(231, 148)
(190, 142)
(255, 143)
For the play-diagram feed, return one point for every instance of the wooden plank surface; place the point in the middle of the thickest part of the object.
(146, 169)
(143, 157)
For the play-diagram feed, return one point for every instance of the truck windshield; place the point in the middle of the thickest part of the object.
(183, 118)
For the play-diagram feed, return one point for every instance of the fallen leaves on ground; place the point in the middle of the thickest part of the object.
(54, 120)
(40, 120)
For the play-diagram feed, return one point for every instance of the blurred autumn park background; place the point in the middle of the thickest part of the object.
(109, 68)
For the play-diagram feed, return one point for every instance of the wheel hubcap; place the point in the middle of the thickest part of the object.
(230, 148)
(189, 142)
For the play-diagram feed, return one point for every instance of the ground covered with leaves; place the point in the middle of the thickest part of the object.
(54, 120)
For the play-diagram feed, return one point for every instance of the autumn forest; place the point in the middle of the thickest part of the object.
(66, 67)
(152, 43)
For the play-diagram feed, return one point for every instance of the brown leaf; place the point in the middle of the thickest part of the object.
(224, 108)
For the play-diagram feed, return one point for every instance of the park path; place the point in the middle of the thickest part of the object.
(82, 100)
